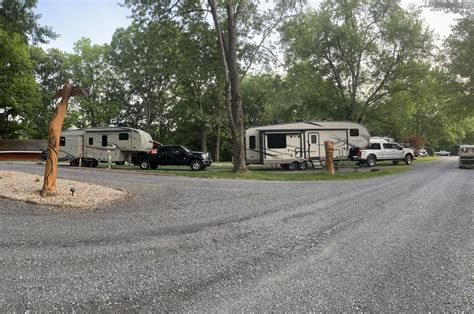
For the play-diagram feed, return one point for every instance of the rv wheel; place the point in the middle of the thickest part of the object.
(94, 163)
(74, 163)
(294, 165)
(303, 165)
(145, 164)
(284, 166)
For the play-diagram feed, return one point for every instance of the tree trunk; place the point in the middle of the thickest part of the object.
(217, 155)
(204, 140)
(236, 97)
(233, 97)
(329, 146)
(203, 125)
(54, 133)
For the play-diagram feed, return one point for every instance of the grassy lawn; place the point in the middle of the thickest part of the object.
(286, 175)
(426, 159)
(258, 172)
(223, 170)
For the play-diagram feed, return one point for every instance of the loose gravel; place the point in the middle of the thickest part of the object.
(399, 243)
(27, 187)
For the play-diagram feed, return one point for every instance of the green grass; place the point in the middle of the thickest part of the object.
(426, 159)
(285, 175)
(223, 170)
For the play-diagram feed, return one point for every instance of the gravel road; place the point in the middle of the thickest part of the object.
(400, 243)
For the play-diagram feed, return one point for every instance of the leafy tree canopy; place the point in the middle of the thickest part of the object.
(18, 16)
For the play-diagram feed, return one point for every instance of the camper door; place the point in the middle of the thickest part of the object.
(312, 145)
(283, 147)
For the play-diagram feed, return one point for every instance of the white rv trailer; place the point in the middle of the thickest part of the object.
(293, 145)
(92, 145)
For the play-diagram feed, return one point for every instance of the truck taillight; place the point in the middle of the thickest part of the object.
(359, 153)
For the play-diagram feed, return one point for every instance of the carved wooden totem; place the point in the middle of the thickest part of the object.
(54, 133)
(329, 157)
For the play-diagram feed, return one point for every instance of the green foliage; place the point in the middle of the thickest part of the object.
(460, 51)
(51, 69)
(90, 69)
(18, 16)
(363, 49)
(18, 92)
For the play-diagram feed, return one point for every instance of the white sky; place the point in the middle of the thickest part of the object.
(98, 19)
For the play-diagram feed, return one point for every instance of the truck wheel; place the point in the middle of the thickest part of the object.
(293, 165)
(396, 162)
(145, 164)
(196, 165)
(303, 165)
(408, 159)
(371, 161)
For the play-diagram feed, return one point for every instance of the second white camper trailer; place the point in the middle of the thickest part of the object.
(94, 145)
(294, 145)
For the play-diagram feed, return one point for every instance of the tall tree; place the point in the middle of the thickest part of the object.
(51, 69)
(460, 52)
(18, 89)
(18, 16)
(364, 48)
(241, 29)
(143, 59)
(90, 68)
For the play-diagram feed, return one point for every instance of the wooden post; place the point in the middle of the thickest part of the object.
(329, 146)
(54, 133)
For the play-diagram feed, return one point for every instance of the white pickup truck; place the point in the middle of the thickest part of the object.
(385, 151)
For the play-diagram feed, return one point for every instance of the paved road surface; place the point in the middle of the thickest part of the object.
(401, 243)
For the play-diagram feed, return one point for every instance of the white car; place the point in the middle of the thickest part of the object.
(442, 153)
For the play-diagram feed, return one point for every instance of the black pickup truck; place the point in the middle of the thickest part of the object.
(175, 155)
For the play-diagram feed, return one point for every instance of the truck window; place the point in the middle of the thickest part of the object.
(91, 141)
(252, 142)
(123, 136)
(104, 140)
(164, 150)
(388, 146)
(62, 141)
(276, 140)
(354, 132)
(374, 146)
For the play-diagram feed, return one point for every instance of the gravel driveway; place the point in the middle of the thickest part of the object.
(400, 243)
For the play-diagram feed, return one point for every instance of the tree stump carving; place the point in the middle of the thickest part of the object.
(54, 133)
(329, 146)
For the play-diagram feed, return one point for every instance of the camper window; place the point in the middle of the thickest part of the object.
(252, 142)
(276, 140)
(62, 141)
(91, 141)
(314, 139)
(354, 132)
(123, 136)
(104, 140)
